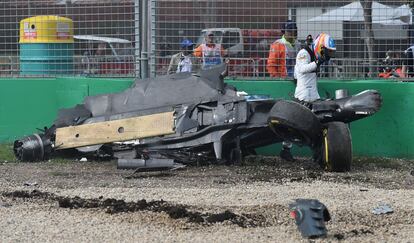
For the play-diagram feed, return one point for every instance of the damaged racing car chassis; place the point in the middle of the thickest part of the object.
(198, 118)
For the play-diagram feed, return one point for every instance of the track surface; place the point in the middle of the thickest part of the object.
(91, 201)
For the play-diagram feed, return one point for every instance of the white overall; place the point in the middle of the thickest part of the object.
(305, 73)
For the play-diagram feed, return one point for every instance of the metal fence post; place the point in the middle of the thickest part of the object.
(137, 39)
(144, 38)
(152, 25)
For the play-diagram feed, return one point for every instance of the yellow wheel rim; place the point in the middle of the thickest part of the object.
(325, 136)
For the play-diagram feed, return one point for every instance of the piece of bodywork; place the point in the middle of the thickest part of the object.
(310, 216)
(195, 118)
(383, 208)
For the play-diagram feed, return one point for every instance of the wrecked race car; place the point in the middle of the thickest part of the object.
(194, 118)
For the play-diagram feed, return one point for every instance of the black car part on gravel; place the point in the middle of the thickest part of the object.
(310, 216)
(348, 109)
(36, 147)
(336, 147)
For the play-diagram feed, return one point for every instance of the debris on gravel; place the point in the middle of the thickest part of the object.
(92, 201)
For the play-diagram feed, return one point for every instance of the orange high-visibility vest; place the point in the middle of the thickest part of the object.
(281, 61)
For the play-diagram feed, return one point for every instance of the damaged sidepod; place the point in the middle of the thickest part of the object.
(198, 118)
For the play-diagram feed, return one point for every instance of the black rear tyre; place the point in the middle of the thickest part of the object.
(336, 154)
(294, 122)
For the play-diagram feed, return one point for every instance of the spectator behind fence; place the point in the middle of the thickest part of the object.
(94, 59)
(183, 61)
(282, 54)
(101, 50)
(309, 41)
(391, 65)
(210, 53)
(408, 63)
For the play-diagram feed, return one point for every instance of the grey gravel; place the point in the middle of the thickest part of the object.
(264, 188)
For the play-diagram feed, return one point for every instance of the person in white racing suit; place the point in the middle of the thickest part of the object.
(307, 65)
(308, 61)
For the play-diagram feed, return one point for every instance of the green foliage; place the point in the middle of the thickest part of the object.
(6, 153)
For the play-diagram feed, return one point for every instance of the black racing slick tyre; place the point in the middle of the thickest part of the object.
(336, 147)
(294, 122)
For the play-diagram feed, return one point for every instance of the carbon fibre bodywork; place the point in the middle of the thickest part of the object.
(211, 120)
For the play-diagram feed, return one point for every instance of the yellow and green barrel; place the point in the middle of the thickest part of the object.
(46, 45)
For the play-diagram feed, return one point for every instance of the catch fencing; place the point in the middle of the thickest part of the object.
(138, 38)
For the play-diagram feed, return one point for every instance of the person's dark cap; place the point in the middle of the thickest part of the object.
(309, 39)
(290, 26)
(209, 33)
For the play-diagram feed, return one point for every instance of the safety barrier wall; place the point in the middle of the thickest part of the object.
(27, 104)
